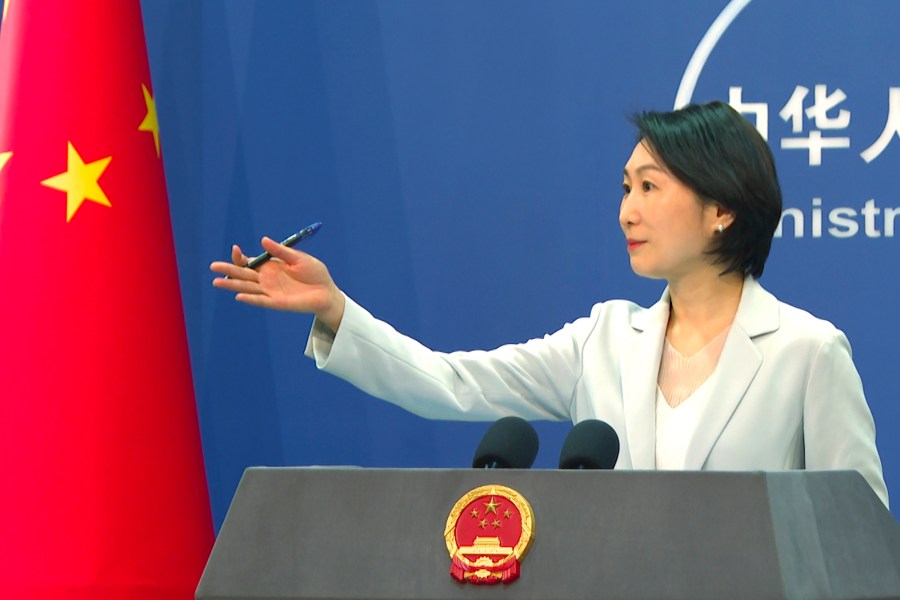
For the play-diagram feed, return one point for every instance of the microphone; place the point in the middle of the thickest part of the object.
(510, 443)
(591, 444)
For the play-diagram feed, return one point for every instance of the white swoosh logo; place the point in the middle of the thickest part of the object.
(704, 49)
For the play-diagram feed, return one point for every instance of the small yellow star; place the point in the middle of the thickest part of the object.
(483, 523)
(79, 182)
(491, 506)
(474, 513)
(150, 122)
(4, 158)
(496, 523)
(507, 514)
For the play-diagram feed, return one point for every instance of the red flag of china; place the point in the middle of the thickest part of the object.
(103, 491)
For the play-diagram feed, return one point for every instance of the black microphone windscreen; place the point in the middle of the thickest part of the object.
(591, 444)
(510, 443)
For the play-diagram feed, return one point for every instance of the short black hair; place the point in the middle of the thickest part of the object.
(721, 156)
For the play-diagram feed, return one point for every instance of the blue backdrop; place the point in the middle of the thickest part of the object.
(465, 158)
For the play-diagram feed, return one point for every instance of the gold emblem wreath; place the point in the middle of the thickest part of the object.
(510, 494)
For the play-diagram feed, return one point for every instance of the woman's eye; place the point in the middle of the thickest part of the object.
(626, 188)
(647, 186)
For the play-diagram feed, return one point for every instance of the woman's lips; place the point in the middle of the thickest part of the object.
(632, 244)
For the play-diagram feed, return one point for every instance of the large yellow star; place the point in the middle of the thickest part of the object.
(79, 182)
(150, 123)
(491, 506)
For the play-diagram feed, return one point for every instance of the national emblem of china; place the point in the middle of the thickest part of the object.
(488, 532)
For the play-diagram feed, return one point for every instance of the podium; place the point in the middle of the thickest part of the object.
(335, 533)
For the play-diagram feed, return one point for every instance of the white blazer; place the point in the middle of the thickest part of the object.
(786, 394)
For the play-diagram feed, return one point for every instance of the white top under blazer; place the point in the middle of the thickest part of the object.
(785, 393)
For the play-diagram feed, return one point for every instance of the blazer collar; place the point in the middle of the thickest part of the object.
(757, 313)
(640, 370)
(739, 362)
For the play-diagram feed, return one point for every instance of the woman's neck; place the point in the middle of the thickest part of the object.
(702, 306)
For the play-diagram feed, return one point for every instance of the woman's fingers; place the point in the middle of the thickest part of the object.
(283, 253)
(256, 300)
(299, 265)
(292, 280)
(234, 271)
(240, 286)
(237, 257)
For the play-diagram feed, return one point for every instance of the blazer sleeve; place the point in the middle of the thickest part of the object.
(534, 380)
(838, 428)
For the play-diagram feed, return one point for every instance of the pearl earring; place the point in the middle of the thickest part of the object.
(720, 228)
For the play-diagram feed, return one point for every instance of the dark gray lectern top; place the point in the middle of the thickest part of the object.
(315, 533)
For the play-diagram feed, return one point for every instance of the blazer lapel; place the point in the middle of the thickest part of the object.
(738, 364)
(640, 369)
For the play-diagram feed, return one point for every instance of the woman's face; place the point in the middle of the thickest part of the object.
(667, 228)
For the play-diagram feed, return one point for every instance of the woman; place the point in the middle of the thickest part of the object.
(717, 375)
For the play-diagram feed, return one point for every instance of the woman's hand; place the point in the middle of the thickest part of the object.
(291, 280)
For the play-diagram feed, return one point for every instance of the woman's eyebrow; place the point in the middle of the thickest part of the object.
(643, 168)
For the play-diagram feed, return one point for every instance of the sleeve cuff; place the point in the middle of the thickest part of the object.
(322, 339)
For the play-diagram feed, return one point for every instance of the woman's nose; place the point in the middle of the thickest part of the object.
(628, 214)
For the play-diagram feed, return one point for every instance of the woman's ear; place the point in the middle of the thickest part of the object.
(724, 216)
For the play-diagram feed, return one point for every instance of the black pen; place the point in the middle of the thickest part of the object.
(291, 241)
